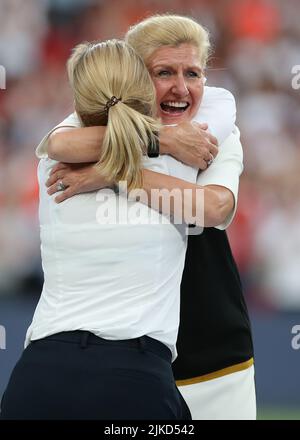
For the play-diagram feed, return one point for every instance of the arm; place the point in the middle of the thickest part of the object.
(218, 201)
(69, 123)
(225, 171)
(188, 142)
(76, 145)
(219, 182)
(212, 204)
(72, 143)
(219, 185)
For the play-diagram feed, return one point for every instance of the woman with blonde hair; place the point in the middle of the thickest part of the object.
(214, 367)
(103, 335)
(130, 124)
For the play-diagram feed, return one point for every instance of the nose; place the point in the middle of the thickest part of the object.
(180, 87)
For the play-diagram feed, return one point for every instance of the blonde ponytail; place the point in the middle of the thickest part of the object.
(99, 71)
(131, 132)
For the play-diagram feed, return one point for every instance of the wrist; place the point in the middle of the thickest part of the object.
(99, 180)
(164, 140)
(154, 147)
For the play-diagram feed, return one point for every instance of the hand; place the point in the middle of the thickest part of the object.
(190, 143)
(78, 178)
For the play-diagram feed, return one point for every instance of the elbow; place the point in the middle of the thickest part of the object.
(52, 147)
(217, 209)
(215, 218)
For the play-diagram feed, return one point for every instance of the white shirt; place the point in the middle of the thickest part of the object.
(119, 281)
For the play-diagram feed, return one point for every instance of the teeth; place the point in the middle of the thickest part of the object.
(176, 104)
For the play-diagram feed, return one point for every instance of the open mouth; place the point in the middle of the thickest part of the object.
(173, 107)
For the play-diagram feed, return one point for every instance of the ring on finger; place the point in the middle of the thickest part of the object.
(61, 186)
(210, 161)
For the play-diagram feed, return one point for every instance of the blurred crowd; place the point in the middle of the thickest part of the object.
(256, 44)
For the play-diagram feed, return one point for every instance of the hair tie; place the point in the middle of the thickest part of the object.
(112, 101)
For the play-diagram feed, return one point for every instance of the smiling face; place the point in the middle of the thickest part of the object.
(178, 80)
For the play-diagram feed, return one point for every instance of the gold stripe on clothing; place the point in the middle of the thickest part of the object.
(216, 374)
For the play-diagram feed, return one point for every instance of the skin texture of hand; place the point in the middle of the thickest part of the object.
(78, 178)
(190, 143)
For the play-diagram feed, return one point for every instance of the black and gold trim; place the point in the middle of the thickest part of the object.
(224, 372)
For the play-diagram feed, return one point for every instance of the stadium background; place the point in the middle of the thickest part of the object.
(257, 43)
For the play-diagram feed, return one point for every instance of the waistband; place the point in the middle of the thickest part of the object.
(85, 338)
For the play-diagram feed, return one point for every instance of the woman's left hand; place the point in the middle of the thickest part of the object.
(76, 178)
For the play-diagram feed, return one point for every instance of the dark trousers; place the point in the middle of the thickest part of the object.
(76, 375)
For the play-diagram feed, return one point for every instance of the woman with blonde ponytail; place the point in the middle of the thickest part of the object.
(103, 335)
(216, 375)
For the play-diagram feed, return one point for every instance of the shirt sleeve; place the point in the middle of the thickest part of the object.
(72, 121)
(226, 170)
(218, 110)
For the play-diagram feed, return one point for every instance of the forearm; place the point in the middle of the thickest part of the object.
(203, 205)
(76, 145)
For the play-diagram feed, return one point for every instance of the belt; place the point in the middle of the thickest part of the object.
(85, 338)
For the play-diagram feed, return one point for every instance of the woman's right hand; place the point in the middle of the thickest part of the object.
(189, 142)
(77, 178)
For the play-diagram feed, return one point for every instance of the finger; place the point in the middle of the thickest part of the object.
(59, 175)
(64, 195)
(204, 154)
(210, 161)
(58, 166)
(213, 150)
(203, 126)
(212, 139)
(202, 164)
(53, 188)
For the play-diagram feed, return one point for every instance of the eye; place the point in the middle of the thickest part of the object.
(163, 73)
(193, 74)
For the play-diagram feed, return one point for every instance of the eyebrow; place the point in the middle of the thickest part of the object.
(171, 66)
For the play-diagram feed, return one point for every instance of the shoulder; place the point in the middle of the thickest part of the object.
(232, 141)
(211, 93)
(72, 121)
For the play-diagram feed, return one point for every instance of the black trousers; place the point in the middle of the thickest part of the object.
(76, 375)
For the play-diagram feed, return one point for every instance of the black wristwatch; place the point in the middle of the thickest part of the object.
(153, 148)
